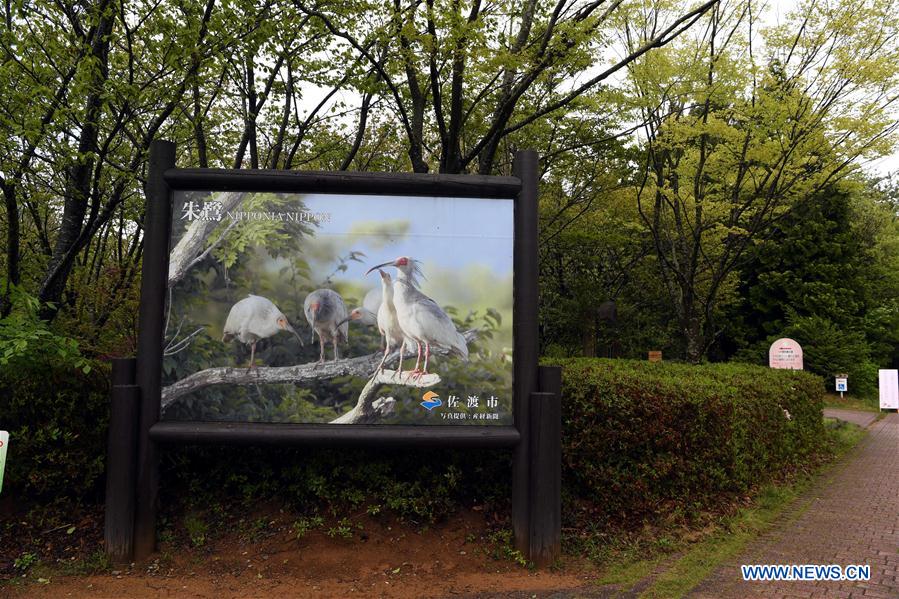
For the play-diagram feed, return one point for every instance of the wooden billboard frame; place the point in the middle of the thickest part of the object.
(133, 472)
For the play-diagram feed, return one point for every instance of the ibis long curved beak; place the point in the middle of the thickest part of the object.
(390, 263)
(347, 319)
(290, 328)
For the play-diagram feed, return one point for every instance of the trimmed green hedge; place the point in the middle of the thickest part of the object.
(641, 438)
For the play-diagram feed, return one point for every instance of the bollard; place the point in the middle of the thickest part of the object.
(545, 489)
(544, 541)
(121, 462)
(545, 454)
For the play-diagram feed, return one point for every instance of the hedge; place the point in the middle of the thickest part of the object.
(641, 438)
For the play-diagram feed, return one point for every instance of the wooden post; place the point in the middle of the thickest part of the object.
(545, 528)
(154, 283)
(545, 539)
(526, 348)
(550, 379)
(121, 461)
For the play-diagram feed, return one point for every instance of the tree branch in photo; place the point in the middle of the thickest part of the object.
(362, 366)
(192, 244)
(369, 408)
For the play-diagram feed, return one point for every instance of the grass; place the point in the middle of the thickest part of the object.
(197, 529)
(628, 573)
(697, 561)
(852, 402)
(703, 558)
(35, 571)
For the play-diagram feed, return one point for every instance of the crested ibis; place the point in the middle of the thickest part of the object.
(419, 317)
(327, 315)
(254, 318)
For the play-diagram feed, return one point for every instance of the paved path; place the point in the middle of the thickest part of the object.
(863, 419)
(852, 517)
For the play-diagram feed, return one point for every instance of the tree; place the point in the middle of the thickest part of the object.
(592, 246)
(730, 146)
(814, 262)
(94, 132)
(462, 78)
(824, 276)
(120, 75)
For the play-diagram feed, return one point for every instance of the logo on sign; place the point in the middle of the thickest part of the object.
(430, 401)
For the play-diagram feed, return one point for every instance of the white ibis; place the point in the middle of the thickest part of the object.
(419, 317)
(254, 318)
(327, 316)
(388, 323)
(367, 313)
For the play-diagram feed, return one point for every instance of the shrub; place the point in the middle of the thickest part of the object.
(641, 438)
(415, 484)
(828, 351)
(54, 403)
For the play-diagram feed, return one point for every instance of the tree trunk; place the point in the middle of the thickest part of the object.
(199, 132)
(78, 176)
(693, 334)
(12, 247)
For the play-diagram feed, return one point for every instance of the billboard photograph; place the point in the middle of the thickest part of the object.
(338, 308)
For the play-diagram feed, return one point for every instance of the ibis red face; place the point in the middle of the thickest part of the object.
(401, 261)
(355, 314)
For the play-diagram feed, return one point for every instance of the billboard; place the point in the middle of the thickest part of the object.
(339, 308)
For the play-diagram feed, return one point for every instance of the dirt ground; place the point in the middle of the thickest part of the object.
(455, 558)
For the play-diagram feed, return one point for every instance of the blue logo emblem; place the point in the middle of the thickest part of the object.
(431, 401)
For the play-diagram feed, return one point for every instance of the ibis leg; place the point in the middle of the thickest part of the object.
(252, 354)
(384, 358)
(402, 356)
(418, 358)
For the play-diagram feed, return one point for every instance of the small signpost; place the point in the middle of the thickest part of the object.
(785, 354)
(655, 356)
(841, 384)
(889, 389)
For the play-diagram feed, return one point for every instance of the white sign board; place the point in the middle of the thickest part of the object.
(4, 442)
(841, 384)
(786, 354)
(889, 389)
